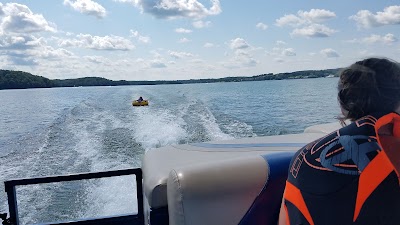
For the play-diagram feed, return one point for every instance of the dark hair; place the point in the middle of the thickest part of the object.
(370, 85)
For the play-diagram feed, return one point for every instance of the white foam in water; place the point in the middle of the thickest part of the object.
(212, 127)
(88, 145)
(112, 196)
(33, 199)
(109, 196)
(240, 129)
(150, 126)
(158, 128)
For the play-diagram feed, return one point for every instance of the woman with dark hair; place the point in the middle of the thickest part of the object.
(351, 176)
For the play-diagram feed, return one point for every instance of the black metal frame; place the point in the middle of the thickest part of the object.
(121, 220)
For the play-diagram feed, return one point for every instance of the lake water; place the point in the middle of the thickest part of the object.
(59, 131)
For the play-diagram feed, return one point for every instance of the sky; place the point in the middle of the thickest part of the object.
(193, 39)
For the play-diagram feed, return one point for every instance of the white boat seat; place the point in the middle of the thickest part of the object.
(243, 191)
(157, 163)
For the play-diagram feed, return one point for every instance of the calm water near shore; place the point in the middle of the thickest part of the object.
(59, 131)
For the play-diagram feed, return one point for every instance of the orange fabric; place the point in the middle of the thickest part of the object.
(396, 127)
(391, 117)
(375, 172)
(293, 195)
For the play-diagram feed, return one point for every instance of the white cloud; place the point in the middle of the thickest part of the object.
(374, 38)
(280, 43)
(201, 24)
(261, 26)
(387, 39)
(242, 54)
(308, 23)
(313, 30)
(99, 43)
(289, 20)
(316, 15)
(249, 62)
(197, 61)
(96, 59)
(21, 43)
(241, 59)
(329, 53)
(304, 17)
(49, 53)
(140, 38)
(208, 45)
(276, 49)
(27, 50)
(69, 43)
(17, 18)
(156, 55)
(157, 64)
(139, 60)
(1, 9)
(239, 43)
(171, 9)
(183, 30)
(183, 40)
(22, 59)
(179, 55)
(87, 7)
(144, 39)
(389, 16)
(289, 52)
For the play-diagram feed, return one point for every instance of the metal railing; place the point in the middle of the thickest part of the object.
(120, 220)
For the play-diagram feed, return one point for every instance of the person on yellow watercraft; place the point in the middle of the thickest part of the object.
(140, 99)
(351, 176)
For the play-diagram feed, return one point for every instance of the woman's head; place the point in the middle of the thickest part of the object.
(370, 85)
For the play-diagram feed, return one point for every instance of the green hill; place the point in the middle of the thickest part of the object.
(19, 80)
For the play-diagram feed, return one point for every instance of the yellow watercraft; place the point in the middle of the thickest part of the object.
(140, 103)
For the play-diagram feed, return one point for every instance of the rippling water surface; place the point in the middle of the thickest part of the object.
(69, 130)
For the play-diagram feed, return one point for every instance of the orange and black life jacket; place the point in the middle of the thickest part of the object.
(345, 178)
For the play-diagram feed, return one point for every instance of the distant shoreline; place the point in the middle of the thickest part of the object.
(22, 80)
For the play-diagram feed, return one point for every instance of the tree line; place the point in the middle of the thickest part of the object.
(20, 80)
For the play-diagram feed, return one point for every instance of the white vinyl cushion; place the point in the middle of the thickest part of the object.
(157, 163)
(215, 193)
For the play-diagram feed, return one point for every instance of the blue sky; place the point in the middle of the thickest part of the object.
(185, 39)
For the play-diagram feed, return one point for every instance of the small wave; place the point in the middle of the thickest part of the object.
(155, 128)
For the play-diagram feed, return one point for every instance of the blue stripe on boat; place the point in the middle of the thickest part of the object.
(255, 145)
(265, 208)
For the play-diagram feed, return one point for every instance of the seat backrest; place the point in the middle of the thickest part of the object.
(228, 191)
